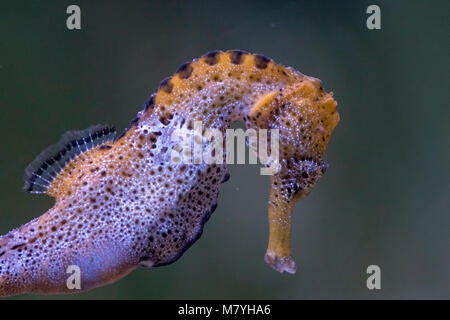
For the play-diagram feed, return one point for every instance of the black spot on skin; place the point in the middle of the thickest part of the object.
(134, 121)
(164, 120)
(236, 56)
(185, 70)
(150, 103)
(226, 177)
(212, 57)
(2, 253)
(261, 61)
(166, 85)
(105, 147)
(121, 135)
(17, 246)
(213, 207)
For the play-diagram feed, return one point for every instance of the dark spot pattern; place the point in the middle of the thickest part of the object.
(185, 70)
(211, 57)
(150, 103)
(134, 121)
(236, 56)
(166, 85)
(261, 61)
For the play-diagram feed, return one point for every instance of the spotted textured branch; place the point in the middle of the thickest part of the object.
(121, 203)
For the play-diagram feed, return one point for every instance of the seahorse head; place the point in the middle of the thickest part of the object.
(305, 115)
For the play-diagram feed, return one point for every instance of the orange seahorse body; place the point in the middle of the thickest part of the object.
(123, 203)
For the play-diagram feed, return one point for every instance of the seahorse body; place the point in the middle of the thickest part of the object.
(123, 203)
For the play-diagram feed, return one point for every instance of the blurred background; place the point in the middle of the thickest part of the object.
(384, 199)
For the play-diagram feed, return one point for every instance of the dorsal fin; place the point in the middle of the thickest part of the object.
(40, 173)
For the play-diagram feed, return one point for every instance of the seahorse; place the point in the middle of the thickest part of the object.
(121, 202)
